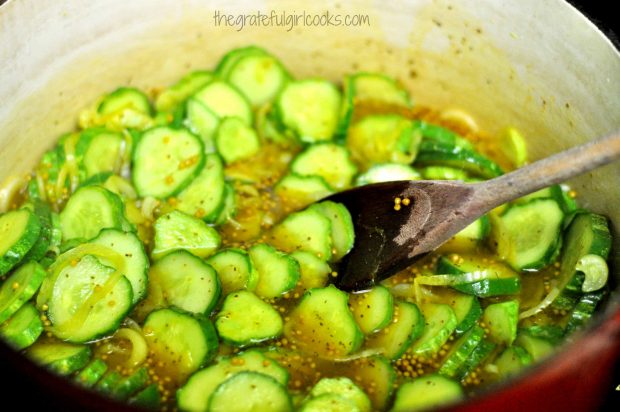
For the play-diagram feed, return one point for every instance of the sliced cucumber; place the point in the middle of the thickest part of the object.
(131, 249)
(441, 154)
(88, 300)
(430, 391)
(99, 151)
(382, 138)
(234, 269)
(179, 339)
(59, 357)
(536, 247)
(434, 133)
(231, 58)
(501, 321)
(19, 231)
(330, 161)
(246, 320)
(328, 402)
(107, 384)
(235, 140)
(166, 160)
(49, 236)
(309, 109)
(205, 196)
(470, 238)
(186, 282)
(583, 310)
(342, 233)
(18, 288)
(439, 323)
(298, 191)
(479, 355)
(308, 230)
(125, 98)
(323, 324)
(148, 398)
(90, 375)
(179, 231)
(130, 384)
(251, 392)
(373, 310)
(344, 388)
(89, 210)
(387, 172)
(202, 121)
(460, 352)
(467, 310)
(443, 173)
(538, 348)
(225, 100)
(229, 206)
(23, 328)
(314, 272)
(176, 94)
(406, 326)
(278, 272)
(512, 360)
(376, 376)
(194, 395)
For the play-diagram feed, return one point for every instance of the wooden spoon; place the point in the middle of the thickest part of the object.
(389, 240)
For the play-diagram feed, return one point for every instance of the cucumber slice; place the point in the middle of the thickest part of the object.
(125, 98)
(231, 58)
(406, 326)
(176, 94)
(376, 376)
(470, 238)
(512, 360)
(194, 395)
(435, 133)
(587, 234)
(474, 276)
(203, 122)
(551, 333)
(536, 247)
(107, 384)
(382, 138)
(19, 231)
(433, 153)
(430, 391)
(330, 161)
(278, 272)
(460, 352)
(18, 288)
(250, 391)
(309, 109)
(443, 173)
(372, 310)
(59, 357)
(439, 323)
(23, 328)
(583, 310)
(205, 196)
(49, 236)
(314, 272)
(234, 269)
(479, 355)
(538, 348)
(466, 307)
(323, 324)
(88, 300)
(179, 231)
(130, 384)
(387, 172)
(186, 282)
(501, 321)
(235, 140)
(148, 398)
(308, 230)
(229, 207)
(298, 191)
(225, 100)
(342, 233)
(165, 161)
(259, 77)
(328, 402)
(90, 375)
(246, 320)
(89, 210)
(344, 388)
(99, 151)
(180, 340)
(131, 250)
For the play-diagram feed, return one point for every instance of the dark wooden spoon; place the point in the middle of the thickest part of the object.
(389, 240)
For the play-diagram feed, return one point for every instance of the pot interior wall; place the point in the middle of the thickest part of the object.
(506, 63)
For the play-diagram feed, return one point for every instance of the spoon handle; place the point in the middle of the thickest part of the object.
(549, 171)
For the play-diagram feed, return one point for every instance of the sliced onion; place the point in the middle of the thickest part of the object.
(547, 300)
(8, 190)
(139, 348)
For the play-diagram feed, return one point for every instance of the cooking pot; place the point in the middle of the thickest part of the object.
(540, 66)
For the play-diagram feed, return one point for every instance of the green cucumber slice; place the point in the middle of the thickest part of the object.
(435, 133)
(125, 98)
(344, 388)
(308, 230)
(314, 272)
(59, 357)
(512, 360)
(225, 100)
(298, 191)
(278, 272)
(205, 195)
(479, 355)
(234, 269)
(406, 326)
(165, 161)
(387, 172)
(18, 288)
(19, 231)
(434, 153)
(99, 151)
(430, 391)
(250, 391)
(176, 94)
(342, 233)
(130, 384)
(91, 374)
(202, 121)
(328, 402)
(148, 398)
(179, 231)
(501, 320)
(327, 160)
(235, 140)
(439, 323)
(373, 310)
(23, 328)
(186, 282)
(583, 310)
(376, 376)
(49, 236)
(460, 352)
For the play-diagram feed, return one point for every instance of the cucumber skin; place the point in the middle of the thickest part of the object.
(24, 244)
(35, 280)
